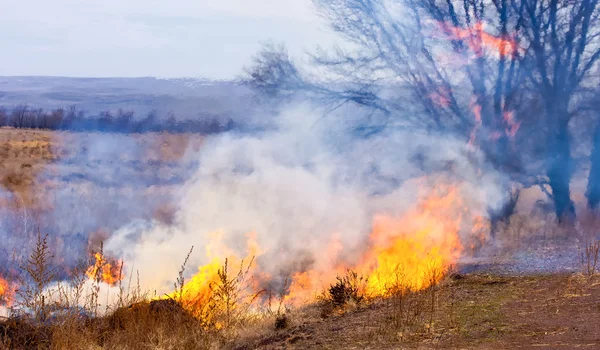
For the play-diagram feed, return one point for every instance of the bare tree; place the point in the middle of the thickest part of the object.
(502, 74)
(466, 80)
(123, 120)
(18, 116)
(563, 46)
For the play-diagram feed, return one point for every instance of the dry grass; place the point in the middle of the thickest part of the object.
(474, 311)
(478, 311)
(36, 163)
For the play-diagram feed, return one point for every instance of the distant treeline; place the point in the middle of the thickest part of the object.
(123, 121)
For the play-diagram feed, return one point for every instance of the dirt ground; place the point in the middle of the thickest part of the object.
(473, 311)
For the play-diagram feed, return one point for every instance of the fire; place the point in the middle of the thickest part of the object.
(213, 285)
(7, 292)
(478, 39)
(416, 249)
(104, 271)
(412, 251)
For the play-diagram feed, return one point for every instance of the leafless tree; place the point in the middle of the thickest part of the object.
(505, 75)
(563, 40)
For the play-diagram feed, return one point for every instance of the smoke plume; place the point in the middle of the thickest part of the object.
(298, 187)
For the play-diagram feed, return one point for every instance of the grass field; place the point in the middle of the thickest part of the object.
(494, 303)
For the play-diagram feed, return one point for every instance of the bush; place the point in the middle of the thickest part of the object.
(349, 288)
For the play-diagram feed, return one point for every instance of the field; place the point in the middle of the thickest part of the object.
(36, 164)
(472, 311)
(531, 291)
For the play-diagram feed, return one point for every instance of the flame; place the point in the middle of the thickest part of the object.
(224, 270)
(416, 249)
(104, 271)
(413, 251)
(478, 39)
(512, 125)
(480, 42)
(7, 292)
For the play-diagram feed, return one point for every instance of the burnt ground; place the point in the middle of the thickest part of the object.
(473, 311)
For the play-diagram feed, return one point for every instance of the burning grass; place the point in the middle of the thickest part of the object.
(398, 287)
(220, 307)
(404, 260)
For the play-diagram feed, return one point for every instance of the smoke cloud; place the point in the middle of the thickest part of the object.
(299, 186)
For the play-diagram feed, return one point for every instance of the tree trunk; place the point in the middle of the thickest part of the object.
(559, 174)
(593, 186)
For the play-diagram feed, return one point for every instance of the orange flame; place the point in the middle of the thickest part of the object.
(197, 294)
(413, 250)
(104, 271)
(478, 39)
(416, 249)
(7, 292)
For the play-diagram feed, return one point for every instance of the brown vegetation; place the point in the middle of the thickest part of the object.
(479, 310)
(492, 308)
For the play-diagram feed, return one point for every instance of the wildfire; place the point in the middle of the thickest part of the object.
(478, 39)
(413, 251)
(211, 286)
(105, 271)
(7, 292)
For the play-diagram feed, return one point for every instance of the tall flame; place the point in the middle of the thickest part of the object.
(417, 248)
(7, 292)
(105, 271)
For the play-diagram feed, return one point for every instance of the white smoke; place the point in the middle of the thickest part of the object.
(297, 186)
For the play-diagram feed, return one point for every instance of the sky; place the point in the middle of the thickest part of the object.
(212, 39)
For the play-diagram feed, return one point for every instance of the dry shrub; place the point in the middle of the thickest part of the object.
(348, 289)
(139, 323)
(411, 311)
(47, 317)
(588, 226)
(523, 231)
(589, 258)
(588, 229)
(520, 230)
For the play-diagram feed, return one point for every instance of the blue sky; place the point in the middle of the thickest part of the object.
(167, 38)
